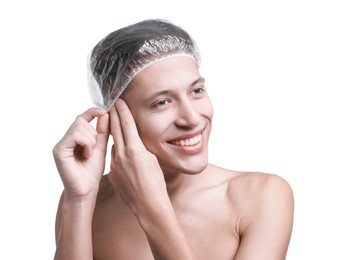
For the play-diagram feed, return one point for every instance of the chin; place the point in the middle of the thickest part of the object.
(191, 167)
(195, 170)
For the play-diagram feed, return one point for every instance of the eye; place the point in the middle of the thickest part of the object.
(198, 91)
(160, 103)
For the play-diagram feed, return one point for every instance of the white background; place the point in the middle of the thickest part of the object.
(271, 70)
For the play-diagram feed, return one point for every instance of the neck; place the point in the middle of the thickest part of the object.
(179, 182)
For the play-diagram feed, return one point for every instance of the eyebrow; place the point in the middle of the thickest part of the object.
(163, 92)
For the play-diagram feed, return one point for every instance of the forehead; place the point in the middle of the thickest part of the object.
(175, 72)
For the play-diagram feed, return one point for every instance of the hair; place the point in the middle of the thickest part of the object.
(122, 54)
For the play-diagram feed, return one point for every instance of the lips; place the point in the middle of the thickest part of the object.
(188, 140)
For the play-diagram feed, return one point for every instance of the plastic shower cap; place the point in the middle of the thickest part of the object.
(124, 53)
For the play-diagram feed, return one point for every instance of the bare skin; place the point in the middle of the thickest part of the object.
(162, 199)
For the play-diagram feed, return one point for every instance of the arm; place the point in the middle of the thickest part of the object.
(73, 229)
(80, 160)
(268, 225)
(164, 234)
(137, 177)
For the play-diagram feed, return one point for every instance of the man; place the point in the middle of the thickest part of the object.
(161, 198)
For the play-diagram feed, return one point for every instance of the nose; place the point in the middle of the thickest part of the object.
(187, 115)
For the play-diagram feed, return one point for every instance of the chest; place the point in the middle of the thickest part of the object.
(210, 228)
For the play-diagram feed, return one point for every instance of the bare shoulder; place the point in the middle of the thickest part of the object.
(258, 184)
(251, 184)
(245, 189)
(252, 189)
(261, 198)
(108, 202)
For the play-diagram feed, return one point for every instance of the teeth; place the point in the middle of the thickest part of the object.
(188, 142)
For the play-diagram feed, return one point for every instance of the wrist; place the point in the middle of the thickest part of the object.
(86, 202)
(154, 212)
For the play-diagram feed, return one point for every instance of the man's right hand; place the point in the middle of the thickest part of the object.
(80, 154)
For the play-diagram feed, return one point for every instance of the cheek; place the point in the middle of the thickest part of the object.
(205, 108)
(144, 123)
(150, 129)
(210, 109)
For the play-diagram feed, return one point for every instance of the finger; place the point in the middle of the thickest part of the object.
(115, 130)
(78, 128)
(127, 123)
(81, 134)
(102, 129)
(97, 135)
(81, 124)
(92, 113)
(84, 145)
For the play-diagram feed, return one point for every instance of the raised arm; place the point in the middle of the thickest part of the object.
(139, 180)
(80, 160)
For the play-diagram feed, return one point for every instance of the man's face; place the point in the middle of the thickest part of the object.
(173, 113)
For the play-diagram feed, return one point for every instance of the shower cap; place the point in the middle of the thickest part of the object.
(121, 55)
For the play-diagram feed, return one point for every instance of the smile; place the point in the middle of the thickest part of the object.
(188, 142)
